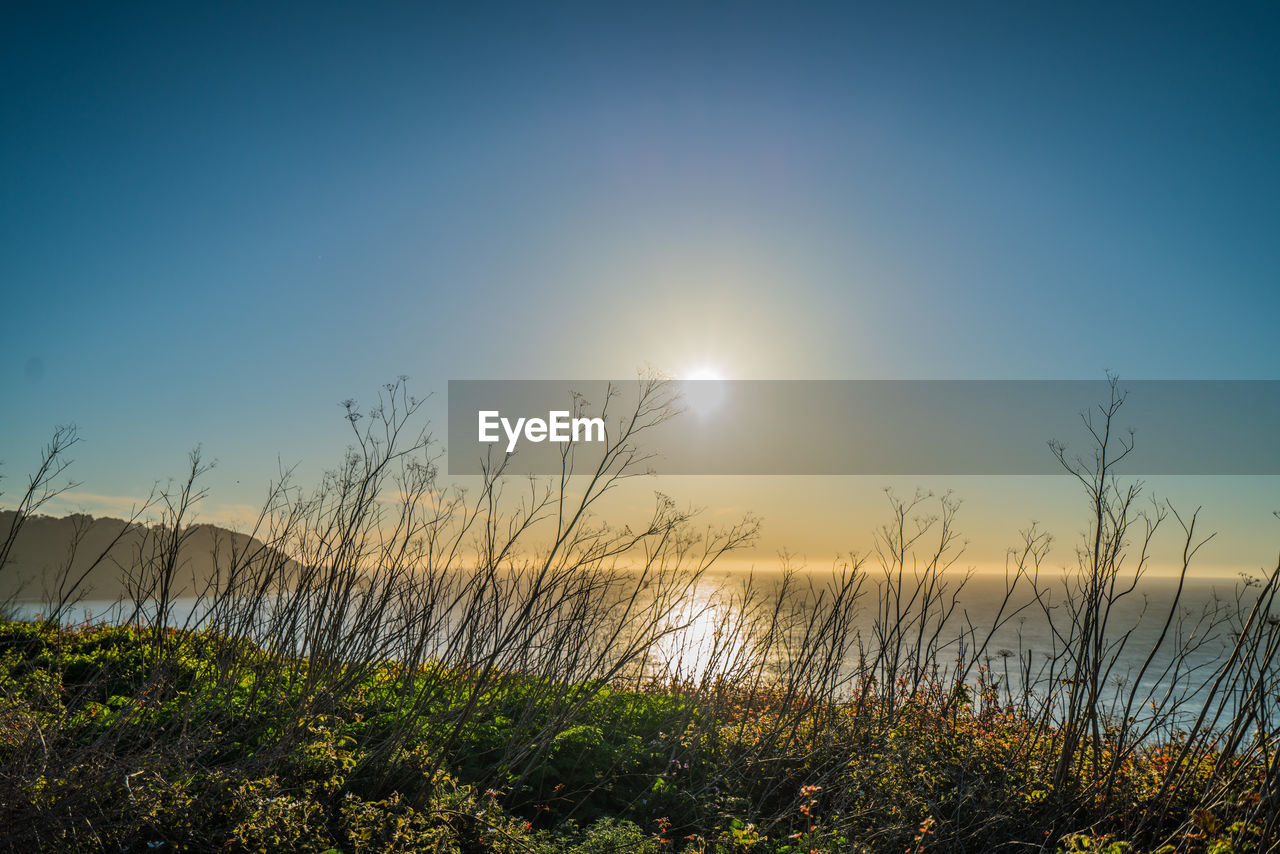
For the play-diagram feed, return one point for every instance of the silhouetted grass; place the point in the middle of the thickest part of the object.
(394, 666)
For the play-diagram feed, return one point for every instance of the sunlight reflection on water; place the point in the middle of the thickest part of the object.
(725, 628)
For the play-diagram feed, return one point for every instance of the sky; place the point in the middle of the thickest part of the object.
(217, 222)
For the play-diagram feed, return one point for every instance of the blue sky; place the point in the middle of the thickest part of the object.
(217, 222)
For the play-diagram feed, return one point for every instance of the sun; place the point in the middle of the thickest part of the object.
(704, 371)
(703, 389)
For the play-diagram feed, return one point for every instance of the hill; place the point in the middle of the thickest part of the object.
(105, 551)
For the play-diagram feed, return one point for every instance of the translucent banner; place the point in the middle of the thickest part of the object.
(864, 427)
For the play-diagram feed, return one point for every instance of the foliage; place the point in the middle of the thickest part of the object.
(100, 754)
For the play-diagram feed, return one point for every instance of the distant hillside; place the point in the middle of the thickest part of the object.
(44, 547)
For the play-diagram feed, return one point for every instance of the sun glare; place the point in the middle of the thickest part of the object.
(704, 372)
(704, 388)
